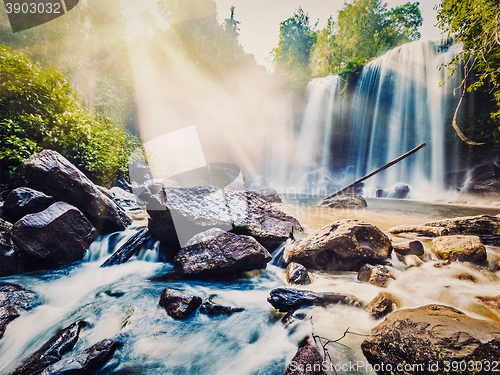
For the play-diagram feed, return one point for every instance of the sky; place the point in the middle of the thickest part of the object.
(260, 19)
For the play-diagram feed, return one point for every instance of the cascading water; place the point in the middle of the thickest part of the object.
(396, 104)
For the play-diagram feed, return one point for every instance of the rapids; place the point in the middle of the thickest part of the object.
(121, 303)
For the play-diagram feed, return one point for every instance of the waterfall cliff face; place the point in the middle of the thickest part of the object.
(397, 103)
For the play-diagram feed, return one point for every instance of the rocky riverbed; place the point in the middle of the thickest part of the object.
(224, 281)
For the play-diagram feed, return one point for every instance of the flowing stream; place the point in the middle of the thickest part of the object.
(121, 303)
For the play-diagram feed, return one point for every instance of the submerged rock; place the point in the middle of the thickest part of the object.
(341, 245)
(179, 305)
(376, 275)
(86, 362)
(284, 299)
(58, 236)
(307, 360)
(24, 201)
(52, 351)
(432, 335)
(296, 273)
(460, 248)
(55, 175)
(216, 252)
(177, 214)
(345, 201)
(13, 299)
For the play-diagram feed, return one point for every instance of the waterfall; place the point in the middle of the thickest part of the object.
(396, 103)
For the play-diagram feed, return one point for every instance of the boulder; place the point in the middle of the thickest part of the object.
(52, 351)
(177, 214)
(213, 307)
(341, 245)
(400, 191)
(216, 252)
(376, 275)
(55, 175)
(307, 360)
(484, 179)
(23, 201)
(125, 200)
(13, 299)
(460, 248)
(58, 236)
(269, 195)
(345, 201)
(284, 299)
(177, 304)
(87, 362)
(296, 273)
(482, 224)
(381, 305)
(432, 335)
(408, 248)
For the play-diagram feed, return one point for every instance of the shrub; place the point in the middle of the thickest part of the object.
(38, 109)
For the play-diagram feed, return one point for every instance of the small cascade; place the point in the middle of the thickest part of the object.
(396, 104)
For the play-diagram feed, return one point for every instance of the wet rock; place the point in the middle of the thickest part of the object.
(409, 248)
(129, 248)
(484, 179)
(212, 307)
(179, 305)
(381, 305)
(58, 236)
(5, 226)
(52, 351)
(269, 195)
(23, 201)
(432, 335)
(341, 245)
(400, 191)
(376, 275)
(125, 200)
(284, 299)
(86, 362)
(216, 252)
(345, 201)
(296, 273)
(482, 224)
(460, 248)
(13, 299)
(307, 360)
(177, 214)
(55, 175)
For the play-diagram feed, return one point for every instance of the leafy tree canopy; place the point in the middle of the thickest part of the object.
(476, 23)
(38, 110)
(364, 30)
(296, 42)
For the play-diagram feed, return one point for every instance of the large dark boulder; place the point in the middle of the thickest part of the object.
(55, 175)
(177, 304)
(341, 245)
(431, 337)
(23, 201)
(484, 179)
(52, 351)
(285, 299)
(177, 214)
(58, 236)
(86, 362)
(13, 300)
(216, 252)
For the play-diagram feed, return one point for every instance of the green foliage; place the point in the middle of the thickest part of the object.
(364, 30)
(293, 54)
(38, 110)
(476, 23)
(212, 47)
